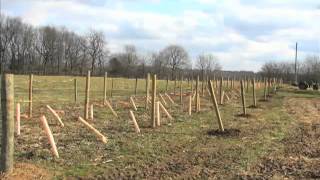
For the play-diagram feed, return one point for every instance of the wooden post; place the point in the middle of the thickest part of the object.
(135, 87)
(7, 108)
(167, 83)
(75, 90)
(190, 105)
(105, 78)
(197, 94)
(220, 90)
(30, 94)
(175, 85)
(86, 103)
(133, 104)
(247, 83)
(111, 91)
(243, 98)
(158, 113)
(254, 93)
(165, 111)
(110, 107)
(222, 98)
(192, 85)
(163, 100)
(147, 90)
(56, 115)
(215, 104)
(101, 136)
(136, 126)
(170, 99)
(49, 135)
(202, 86)
(18, 117)
(91, 112)
(181, 90)
(153, 101)
(265, 89)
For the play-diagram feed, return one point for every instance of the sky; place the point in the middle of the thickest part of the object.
(243, 34)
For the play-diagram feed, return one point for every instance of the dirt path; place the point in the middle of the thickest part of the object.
(300, 159)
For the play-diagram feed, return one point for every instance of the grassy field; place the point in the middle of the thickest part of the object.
(272, 142)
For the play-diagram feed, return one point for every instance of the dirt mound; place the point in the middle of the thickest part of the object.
(225, 133)
(26, 171)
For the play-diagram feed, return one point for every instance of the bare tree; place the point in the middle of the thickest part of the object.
(176, 57)
(207, 63)
(96, 45)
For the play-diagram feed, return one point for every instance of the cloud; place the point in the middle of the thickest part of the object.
(243, 34)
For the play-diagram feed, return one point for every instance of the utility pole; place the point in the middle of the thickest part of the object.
(295, 67)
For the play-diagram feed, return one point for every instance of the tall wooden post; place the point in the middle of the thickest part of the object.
(167, 84)
(86, 103)
(7, 108)
(220, 90)
(181, 90)
(254, 93)
(265, 89)
(202, 86)
(30, 94)
(153, 101)
(135, 87)
(175, 85)
(197, 95)
(75, 90)
(147, 90)
(243, 98)
(111, 91)
(215, 104)
(105, 87)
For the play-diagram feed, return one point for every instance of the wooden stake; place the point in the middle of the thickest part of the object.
(163, 100)
(87, 95)
(254, 93)
(265, 89)
(220, 90)
(18, 117)
(165, 111)
(7, 108)
(170, 99)
(243, 98)
(135, 87)
(147, 90)
(30, 94)
(197, 95)
(215, 104)
(133, 104)
(110, 107)
(181, 91)
(75, 90)
(101, 136)
(190, 105)
(111, 91)
(136, 126)
(91, 112)
(105, 78)
(49, 136)
(56, 115)
(153, 101)
(158, 113)
(222, 97)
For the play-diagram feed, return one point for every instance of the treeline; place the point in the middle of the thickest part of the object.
(308, 70)
(52, 50)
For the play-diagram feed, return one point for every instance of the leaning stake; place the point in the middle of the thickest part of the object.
(215, 104)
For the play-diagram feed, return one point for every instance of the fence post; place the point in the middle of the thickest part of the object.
(265, 89)
(86, 105)
(30, 94)
(75, 90)
(7, 139)
(220, 90)
(147, 90)
(181, 90)
(154, 86)
(105, 87)
(197, 94)
(254, 93)
(243, 98)
(111, 92)
(215, 104)
(135, 87)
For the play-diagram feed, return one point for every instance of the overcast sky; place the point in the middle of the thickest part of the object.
(243, 34)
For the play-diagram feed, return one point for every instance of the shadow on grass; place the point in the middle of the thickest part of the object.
(225, 133)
